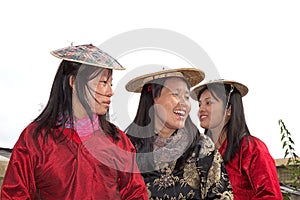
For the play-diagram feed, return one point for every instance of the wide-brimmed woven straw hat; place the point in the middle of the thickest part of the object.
(87, 54)
(192, 75)
(239, 86)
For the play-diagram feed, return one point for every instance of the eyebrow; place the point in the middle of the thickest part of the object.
(205, 98)
(106, 78)
(179, 90)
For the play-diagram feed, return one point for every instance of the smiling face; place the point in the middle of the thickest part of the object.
(211, 112)
(172, 107)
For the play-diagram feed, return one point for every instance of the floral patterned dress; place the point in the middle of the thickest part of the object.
(202, 176)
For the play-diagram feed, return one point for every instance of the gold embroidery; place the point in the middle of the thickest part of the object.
(214, 173)
(190, 175)
(191, 194)
(167, 179)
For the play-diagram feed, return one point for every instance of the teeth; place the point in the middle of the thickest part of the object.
(179, 112)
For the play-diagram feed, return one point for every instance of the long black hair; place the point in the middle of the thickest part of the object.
(58, 112)
(141, 131)
(236, 127)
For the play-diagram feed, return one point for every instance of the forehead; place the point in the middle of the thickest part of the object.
(205, 93)
(209, 95)
(175, 84)
(102, 73)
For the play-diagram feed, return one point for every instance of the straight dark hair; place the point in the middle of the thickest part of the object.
(236, 127)
(141, 131)
(58, 112)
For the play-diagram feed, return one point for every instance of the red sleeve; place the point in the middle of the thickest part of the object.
(134, 187)
(19, 181)
(261, 170)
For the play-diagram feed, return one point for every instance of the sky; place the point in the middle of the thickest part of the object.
(254, 42)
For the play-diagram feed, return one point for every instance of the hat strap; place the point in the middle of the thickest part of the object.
(229, 95)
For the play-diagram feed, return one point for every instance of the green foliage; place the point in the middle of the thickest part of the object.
(286, 196)
(293, 164)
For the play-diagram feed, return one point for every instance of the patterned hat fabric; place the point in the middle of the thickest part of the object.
(87, 54)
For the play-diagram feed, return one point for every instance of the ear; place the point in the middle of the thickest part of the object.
(228, 111)
(71, 81)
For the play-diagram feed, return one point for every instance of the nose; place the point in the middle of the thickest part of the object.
(200, 110)
(202, 107)
(183, 100)
(109, 91)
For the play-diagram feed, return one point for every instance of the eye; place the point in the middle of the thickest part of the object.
(209, 102)
(105, 83)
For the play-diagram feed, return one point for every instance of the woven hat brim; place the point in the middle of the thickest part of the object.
(239, 86)
(192, 75)
(90, 55)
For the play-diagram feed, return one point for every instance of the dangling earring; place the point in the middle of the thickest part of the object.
(227, 103)
(228, 111)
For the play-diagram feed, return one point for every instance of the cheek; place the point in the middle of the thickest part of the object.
(216, 115)
(160, 111)
(165, 104)
(90, 99)
(188, 107)
(100, 91)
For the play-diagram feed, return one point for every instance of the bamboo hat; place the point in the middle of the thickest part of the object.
(239, 86)
(192, 75)
(87, 54)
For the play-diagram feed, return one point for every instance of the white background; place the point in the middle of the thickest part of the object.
(255, 42)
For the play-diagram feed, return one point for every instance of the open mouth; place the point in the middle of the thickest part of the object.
(202, 117)
(180, 113)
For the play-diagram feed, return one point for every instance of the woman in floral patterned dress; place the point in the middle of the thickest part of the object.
(176, 161)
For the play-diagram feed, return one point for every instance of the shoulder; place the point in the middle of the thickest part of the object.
(124, 141)
(27, 134)
(252, 143)
(251, 146)
(26, 143)
(121, 133)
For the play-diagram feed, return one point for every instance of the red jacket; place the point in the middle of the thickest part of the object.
(68, 167)
(252, 171)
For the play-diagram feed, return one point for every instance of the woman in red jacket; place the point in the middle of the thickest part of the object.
(249, 165)
(71, 150)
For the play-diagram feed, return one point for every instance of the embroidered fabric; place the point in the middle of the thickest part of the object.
(202, 176)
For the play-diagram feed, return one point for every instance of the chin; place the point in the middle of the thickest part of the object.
(101, 113)
(203, 126)
(180, 126)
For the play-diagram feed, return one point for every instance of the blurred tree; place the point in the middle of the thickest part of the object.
(293, 163)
